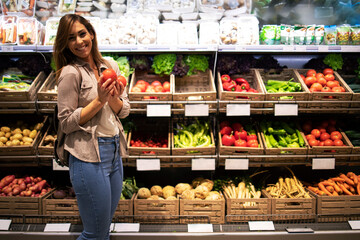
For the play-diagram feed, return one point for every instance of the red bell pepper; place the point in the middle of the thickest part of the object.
(229, 86)
(252, 90)
(245, 86)
(240, 81)
(225, 78)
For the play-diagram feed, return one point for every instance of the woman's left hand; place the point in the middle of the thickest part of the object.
(117, 90)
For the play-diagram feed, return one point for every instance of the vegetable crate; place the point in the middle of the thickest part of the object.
(14, 121)
(337, 208)
(44, 149)
(145, 131)
(329, 96)
(20, 97)
(284, 76)
(355, 95)
(292, 208)
(23, 205)
(247, 209)
(198, 87)
(146, 96)
(214, 209)
(156, 211)
(48, 92)
(254, 81)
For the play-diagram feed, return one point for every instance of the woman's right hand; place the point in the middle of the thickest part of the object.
(104, 88)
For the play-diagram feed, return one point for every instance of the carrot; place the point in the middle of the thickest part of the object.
(322, 188)
(358, 189)
(315, 190)
(337, 188)
(345, 190)
(355, 179)
(335, 193)
(330, 189)
(321, 193)
(346, 186)
(338, 179)
(347, 180)
(349, 174)
(15, 34)
(327, 183)
(352, 189)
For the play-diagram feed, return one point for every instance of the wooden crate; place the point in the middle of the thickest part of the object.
(324, 96)
(22, 205)
(237, 212)
(45, 94)
(291, 208)
(285, 76)
(24, 150)
(198, 87)
(156, 211)
(20, 96)
(254, 81)
(214, 209)
(333, 150)
(45, 150)
(149, 77)
(355, 96)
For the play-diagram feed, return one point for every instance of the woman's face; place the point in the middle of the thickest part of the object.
(80, 41)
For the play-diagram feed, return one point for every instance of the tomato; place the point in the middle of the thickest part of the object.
(142, 82)
(322, 130)
(322, 81)
(319, 75)
(166, 86)
(136, 89)
(307, 126)
(309, 81)
(328, 71)
(338, 142)
(326, 89)
(122, 79)
(331, 84)
(237, 126)
(159, 88)
(329, 77)
(316, 133)
(313, 142)
(311, 72)
(251, 137)
(142, 86)
(335, 135)
(338, 89)
(310, 136)
(150, 89)
(240, 143)
(328, 142)
(109, 74)
(317, 86)
(156, 83)
(324, 136)
(321, 143)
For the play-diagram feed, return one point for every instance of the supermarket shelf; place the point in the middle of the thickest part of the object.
(289, 48)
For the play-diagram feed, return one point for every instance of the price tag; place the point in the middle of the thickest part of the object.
(323, 48)
(57, 227)
(312, 48)
(125, 227)
(261, 226)
(5, 48)
(5, 224)
(282, 109)
(158, 110)
(57, 167)
(203, 164)
(148, 164)
(236, 164)
(299, 230)
(196, 110)
(200, 228)
(238, 110)
(288, 48)
(301, 48)
(354, 224)
(323, 163)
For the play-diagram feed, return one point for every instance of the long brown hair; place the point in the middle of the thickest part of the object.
(62, 54)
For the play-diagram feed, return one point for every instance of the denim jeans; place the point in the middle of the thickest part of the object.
(98, 188)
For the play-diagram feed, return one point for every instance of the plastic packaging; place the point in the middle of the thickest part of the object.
(51, 27)
(319, 34)
(27, 7)
(163, 5)
(147, 27)
(310, 35)
(8, 29)
(127, 30)
(22, 8)
(107, 34)
(209, 32)
(27, 31)
(211, 6)
(355, 35)
(167, 33)
(187, 33)
(330, 35)
(234, 7)
(343, 34)
(268, 35)
(299, 34)
(183, 6)
(285, 34)
(248, 30)
(45, 10)
(66, 6)
(228, 33)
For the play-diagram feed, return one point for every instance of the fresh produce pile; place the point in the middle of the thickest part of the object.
(243, 190)
(18, 134)
(236, 85)
(153, 87)
(149, 142)
(277, 86)
(322, 82)
(15, 82)
(129, 188)
(236, 134)
(322, 133)
(280, 134)
(28, 186)
(49, 140)
(196, 134)
(341, 185)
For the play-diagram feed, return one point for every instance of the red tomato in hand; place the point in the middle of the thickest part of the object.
(109, 73)
(122, 79)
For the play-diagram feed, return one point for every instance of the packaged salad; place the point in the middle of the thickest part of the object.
(8, 33)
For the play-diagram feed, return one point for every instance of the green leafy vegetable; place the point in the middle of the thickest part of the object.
(164, 63)
(123, 64)
(335, 61)
(196, 63)
(129, 188)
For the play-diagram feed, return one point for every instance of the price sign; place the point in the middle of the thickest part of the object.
(236, 164)
(261, 226)
(323, 48)
(193, 228)
(238, 110)
(288, 48)
(196, 110)
(299, 230)
(301, 48)
(5, 48)
(158, 110)
(148, 164)
(5, 224)
(57, 227)
(354, 224)
(282, 109)
(125, 227)
(323, 163)
(203, 164)
(57, 167)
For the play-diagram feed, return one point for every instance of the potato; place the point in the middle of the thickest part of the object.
(144, 193)
(5, 129)
(3, 139)
(8, 143)
(38, 126)
(8, 134)
(26, 132)
(2, 144)
(27, 139)
(15, 142)
(33, 134)
(27, 143)
(2, 134)
(17, 136)
(17, 130)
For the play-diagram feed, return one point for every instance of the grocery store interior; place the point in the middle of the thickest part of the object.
(243, 119)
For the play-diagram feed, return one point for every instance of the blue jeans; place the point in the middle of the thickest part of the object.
(98, 188)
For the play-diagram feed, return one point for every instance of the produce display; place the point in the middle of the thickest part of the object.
(322, 82)
(242, 190)
(153, 87)
(237, 135)
(343, 184)
(276, 86)
(28, 186)
(19, 134)
(196, 134)
(14, 81)
(236, 85)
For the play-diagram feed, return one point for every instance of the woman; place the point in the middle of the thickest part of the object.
(89, 111)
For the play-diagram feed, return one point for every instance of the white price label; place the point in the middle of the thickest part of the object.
(125, 227)
(236, 164)
(354, 224)
(299, 230)
(196, 110)
(5, 224)
(57, 167)
(5, 48)
(148, 164)
(323, 163)
(57, 227)
(261, 226)
(282, 109)
(288, 48)
(301, 48)
(323, 48)
(203, 164)
(193, 228)
(158, 110)
(238, 110)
